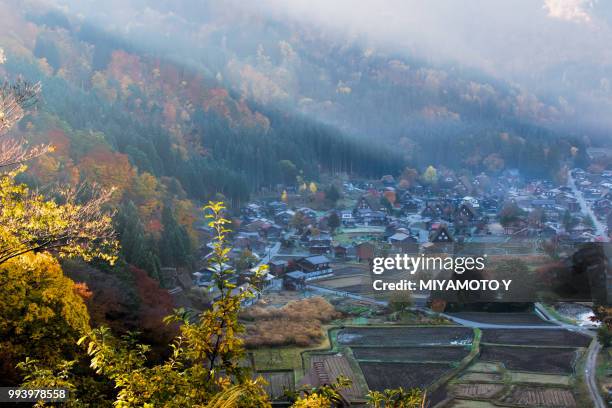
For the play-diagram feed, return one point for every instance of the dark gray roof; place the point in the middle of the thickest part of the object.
(296, 274)
(316, 260)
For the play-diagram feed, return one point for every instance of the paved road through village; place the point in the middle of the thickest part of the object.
(600, 229)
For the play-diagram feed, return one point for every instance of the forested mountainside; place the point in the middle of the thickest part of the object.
(165, 136)
(175, 121)
(402, 102)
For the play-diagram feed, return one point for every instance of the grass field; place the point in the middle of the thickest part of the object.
(604, 370)
(472, 376)
(535, 378)
(278, 358)
(283, 358)
(485, 367)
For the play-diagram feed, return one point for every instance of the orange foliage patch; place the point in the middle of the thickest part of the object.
(109, 169)
(155, 303)
(81, 289)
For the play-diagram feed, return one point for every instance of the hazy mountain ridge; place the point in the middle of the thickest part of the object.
(170, 120)
(323, 74)
(241, 66)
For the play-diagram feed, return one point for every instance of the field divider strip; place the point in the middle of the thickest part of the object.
(466, 361)
(367, 360)
(530, 346)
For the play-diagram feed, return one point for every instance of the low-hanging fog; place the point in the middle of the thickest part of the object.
(554, 53)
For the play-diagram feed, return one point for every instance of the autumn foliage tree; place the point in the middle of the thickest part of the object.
(69, 225)
(15, 98)
(42, 312)
(205, 367)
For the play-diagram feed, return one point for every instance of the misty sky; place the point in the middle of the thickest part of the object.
(558, 49)
(510, 38)
(500, 36)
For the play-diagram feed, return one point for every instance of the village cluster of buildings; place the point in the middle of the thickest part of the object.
(299, 243)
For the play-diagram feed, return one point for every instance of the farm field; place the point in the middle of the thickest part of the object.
(460, 403)
(532, 359)
(527, 368)
(535, 337)
(521, 368)
(472, 376)
(503, 318)
(349, 269)
(346, 281)
(278, 381)
(348, 235)
(477, 390)
(380, 376)
(541, 397)
(279, 358)
(485, 367)
(534, 378)
(410, 354)
(328, 367)
(405, 336)
(390, 357)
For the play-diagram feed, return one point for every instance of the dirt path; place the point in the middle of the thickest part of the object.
(589, 374)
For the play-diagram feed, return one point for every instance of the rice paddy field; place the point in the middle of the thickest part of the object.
(459, 366)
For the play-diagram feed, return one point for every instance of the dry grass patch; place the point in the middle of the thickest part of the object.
(299, 322)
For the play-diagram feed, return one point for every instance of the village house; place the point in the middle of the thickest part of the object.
(388, 180)
(342, 251)
(370, 203)
(403, 242)
(466, 212)
(319, 244)
(308, 212)
(277, 267)
(365, 251)
(369, 217)
(318, 264)
(245, 239)
(347, 218)
(440, 234)
(276, 207)
(206, 277)
(284, 217)
(295, 280)
(252, 210)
